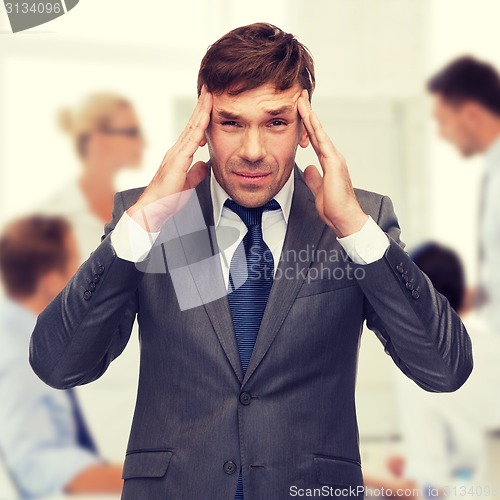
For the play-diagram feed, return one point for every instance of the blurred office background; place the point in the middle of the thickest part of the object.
(372, 57)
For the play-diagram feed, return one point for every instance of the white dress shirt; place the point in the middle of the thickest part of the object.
(131, 242)
(489, 235)
(38, 434)
(274, 222)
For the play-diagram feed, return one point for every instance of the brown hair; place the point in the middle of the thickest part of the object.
(29, 248)
(253, 55)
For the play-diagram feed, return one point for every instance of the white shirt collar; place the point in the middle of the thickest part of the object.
(219, 196)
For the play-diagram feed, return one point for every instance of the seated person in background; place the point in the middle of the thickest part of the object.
(444, 435)
(43, 438)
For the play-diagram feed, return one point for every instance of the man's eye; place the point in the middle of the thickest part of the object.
(230, 123)
(277, 123)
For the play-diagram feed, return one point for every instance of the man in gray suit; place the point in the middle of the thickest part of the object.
(246, 386)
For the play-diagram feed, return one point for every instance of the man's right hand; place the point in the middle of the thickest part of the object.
(168, 190)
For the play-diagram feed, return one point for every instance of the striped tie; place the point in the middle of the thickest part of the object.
(250, 280)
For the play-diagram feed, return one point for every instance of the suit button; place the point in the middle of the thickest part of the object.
(409, 285)
(400, 268)
(230, 467)
(245, 398)
(415, 294)
(405, 278)
(100, 270)
(87, 294)
(96, 278)
(91, 286)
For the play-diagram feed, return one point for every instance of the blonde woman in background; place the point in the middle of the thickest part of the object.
(107, 138)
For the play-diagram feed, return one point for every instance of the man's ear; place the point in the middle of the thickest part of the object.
(303, 138)
(473, 111)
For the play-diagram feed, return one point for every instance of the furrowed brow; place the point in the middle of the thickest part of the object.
(280, 111)
(227, 114)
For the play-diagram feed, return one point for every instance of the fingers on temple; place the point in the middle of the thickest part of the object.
(193, 136)
(323, 139)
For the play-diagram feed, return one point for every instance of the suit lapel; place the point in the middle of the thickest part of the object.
(304, 231)
(212, 279)
(305, 228)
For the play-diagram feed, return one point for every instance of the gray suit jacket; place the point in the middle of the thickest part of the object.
(290, 421)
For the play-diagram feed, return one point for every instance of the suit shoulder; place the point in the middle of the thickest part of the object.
(370, 202)
(130, 196)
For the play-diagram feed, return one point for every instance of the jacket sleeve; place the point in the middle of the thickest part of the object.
(415, 323)
(90, 321)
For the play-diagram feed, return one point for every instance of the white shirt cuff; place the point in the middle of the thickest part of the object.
(367, 245)
(130, 241)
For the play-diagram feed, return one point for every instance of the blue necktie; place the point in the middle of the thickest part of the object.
(83, 435)
(250, 280)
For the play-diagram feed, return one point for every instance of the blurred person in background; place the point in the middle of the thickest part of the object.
(466, 96)
(107, 138)
(444, 435)
(106, 135)
(44, 440)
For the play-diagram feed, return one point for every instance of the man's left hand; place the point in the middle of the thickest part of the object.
(335, 199)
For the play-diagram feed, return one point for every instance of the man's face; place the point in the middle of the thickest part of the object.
(457, 124)
(252, 139)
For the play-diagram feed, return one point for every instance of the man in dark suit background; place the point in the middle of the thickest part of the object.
(251, 281)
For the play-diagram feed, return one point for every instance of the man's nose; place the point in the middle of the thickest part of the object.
(252, 148)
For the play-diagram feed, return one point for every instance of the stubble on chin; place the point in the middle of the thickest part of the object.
(251, 196)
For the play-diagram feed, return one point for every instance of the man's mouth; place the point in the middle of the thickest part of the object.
(252, 175)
